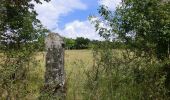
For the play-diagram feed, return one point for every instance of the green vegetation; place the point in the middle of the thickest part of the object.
(21, 34)
(142, 72)
(138, 68)
(120, 74)
(143, 26)
(78, 43)
(84, 43)
(77, 62)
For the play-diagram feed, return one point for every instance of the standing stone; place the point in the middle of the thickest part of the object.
(55, 75)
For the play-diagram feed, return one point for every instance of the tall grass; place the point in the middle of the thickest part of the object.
(20, 78)
(121, 75)
(77, 62)
(100, 74)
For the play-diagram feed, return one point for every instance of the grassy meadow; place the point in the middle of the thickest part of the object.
(76, 63)
(110, 75)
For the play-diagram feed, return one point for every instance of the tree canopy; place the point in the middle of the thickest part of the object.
(18, 23)
(143, 25)
(21, 35)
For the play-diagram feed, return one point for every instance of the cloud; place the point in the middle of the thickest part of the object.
(111, 4)
(80, 29)
(50, 13)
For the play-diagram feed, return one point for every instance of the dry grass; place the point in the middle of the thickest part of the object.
(74, 56)
(76, 62)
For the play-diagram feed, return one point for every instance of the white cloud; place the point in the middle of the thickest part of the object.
(80, 29)
(50, 13)
(111, 4)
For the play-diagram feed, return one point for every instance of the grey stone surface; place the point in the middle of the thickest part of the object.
(55, 74)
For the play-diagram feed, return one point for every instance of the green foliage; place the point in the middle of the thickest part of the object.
(21, 34)
(69, 43)
(82, 43)
(143, 25)
(78, 43)
(19, 26)
(123, 75)
(141, 70)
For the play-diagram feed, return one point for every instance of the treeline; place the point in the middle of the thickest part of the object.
(85, 43)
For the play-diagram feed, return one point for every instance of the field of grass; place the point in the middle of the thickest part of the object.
(121, 82)
(76, 63)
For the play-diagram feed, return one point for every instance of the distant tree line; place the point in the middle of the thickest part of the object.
(85, 43)
(78, 43)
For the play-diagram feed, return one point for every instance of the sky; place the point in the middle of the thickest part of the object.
(69, 18)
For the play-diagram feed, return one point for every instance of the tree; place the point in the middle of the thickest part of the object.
(143, 25)
(18, 24)
(21, 35)
(143, 28)
(82, 43)
(69, 43)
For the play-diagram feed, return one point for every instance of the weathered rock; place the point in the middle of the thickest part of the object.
(55, 74)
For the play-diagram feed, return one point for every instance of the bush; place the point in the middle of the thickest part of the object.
(121, 75)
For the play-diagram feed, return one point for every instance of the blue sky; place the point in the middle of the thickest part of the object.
(69, 18)
(80, 14)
